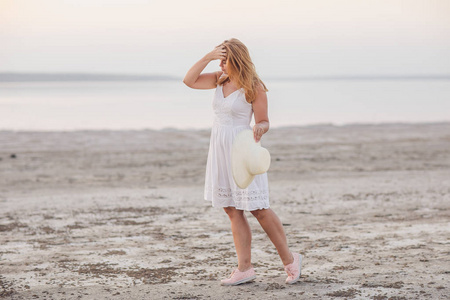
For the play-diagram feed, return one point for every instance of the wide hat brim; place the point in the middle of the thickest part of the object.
(248, 159)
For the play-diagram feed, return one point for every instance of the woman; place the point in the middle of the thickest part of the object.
(239, 93)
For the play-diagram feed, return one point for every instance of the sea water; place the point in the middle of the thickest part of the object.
(138, 105)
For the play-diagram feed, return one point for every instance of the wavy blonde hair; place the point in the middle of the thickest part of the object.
(241, 69)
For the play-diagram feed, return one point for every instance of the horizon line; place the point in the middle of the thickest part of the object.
(85, 76)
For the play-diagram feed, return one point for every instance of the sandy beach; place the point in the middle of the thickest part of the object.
(121, 215)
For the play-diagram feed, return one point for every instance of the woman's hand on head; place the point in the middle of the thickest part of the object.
(218, 53)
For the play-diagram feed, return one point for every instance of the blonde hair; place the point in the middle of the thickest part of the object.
(241, 69)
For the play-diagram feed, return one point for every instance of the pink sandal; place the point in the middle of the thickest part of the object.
(238, 277)
(294, 270)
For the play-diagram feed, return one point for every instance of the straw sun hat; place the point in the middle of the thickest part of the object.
(248, 158)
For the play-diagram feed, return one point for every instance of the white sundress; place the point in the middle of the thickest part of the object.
(232, 114)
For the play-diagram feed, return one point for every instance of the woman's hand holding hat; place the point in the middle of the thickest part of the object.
(258, 131)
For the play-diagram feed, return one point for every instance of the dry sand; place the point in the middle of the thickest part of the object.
(121, 215)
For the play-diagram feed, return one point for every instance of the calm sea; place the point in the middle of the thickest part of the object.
(170, 104)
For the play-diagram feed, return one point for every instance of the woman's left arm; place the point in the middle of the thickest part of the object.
(261, 118)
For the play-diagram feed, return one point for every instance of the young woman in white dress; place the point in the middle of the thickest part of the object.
(239, 94)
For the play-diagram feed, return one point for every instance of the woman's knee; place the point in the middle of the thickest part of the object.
(232, 212)
(259, 213)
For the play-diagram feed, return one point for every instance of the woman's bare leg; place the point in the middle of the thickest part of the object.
(271, 224)
(242, 237)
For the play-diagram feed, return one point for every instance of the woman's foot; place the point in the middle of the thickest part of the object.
(294, 270)
(238, 277)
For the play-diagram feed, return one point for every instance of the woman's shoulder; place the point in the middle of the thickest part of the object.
(260, 87)
(219, 74)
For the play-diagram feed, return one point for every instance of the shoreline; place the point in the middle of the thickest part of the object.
(313, 125)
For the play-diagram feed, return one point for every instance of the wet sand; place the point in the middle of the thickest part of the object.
(121, 215)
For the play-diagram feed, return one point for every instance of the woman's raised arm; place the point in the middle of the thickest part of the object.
(195, 80)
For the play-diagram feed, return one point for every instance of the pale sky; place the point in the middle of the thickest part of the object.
(285, 38)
